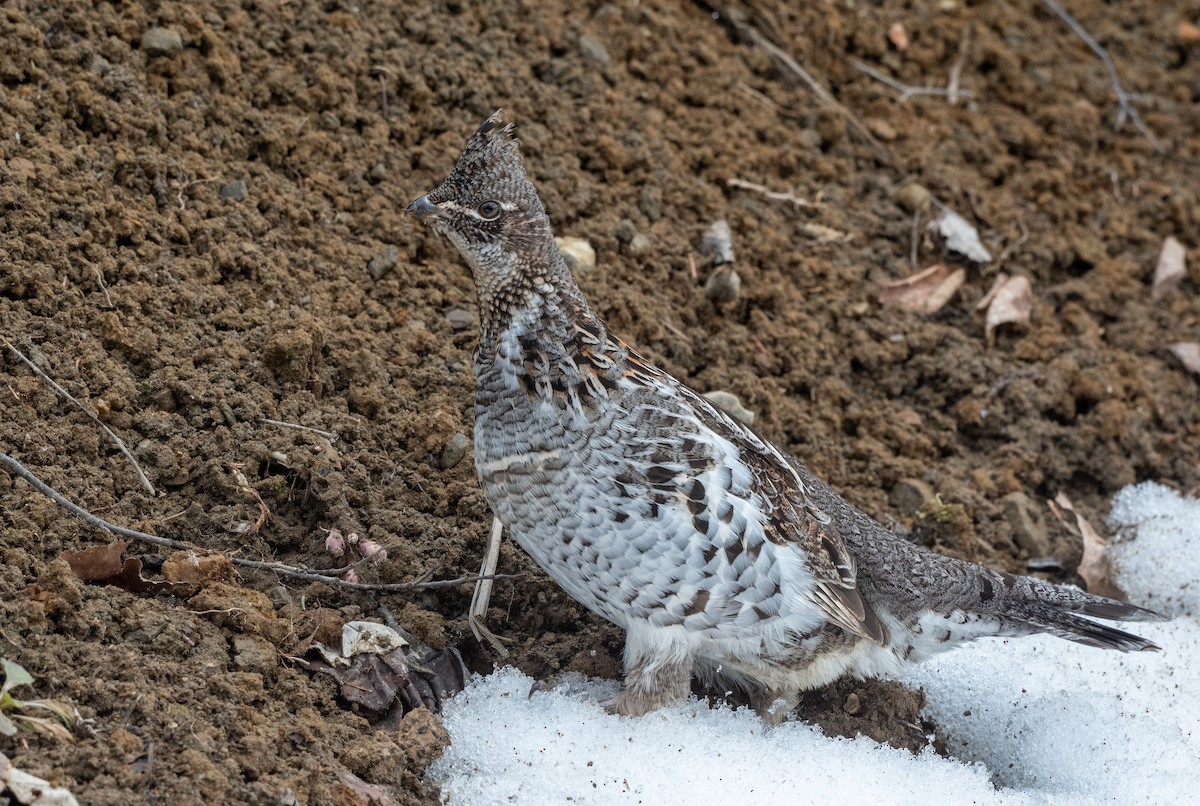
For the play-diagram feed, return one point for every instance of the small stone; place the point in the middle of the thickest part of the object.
(809, 138)
(913, 197)
(731, 404)
(882, 129)
(377, 173)
(161, 42)
(852, 705)
(909, 495)
(383, 263)
(234, 190)
(640, 244)
(625, 232)
(594, 51)
(651, 202)
(723, 285)
(578, 254)
(1187, 34)
(1028, 526)
(100, 66)
(459, 319)
(454, 451)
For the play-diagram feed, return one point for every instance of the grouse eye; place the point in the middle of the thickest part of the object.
(489, 210)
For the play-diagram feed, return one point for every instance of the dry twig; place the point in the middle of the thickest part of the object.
(742, 28)
(137, 468)
(1124, 100)
(964, 43)
(482, 596)
(292, 572)
(775, 195)
(329, 435)
(906, 90)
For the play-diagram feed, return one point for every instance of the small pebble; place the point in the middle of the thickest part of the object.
(594, 51)
(161, 42)
(852, 705)
(454, 451)
(909, 495)
(882, 129)
(377, 173)
(459, 319)
(809, 138)
(234, 190)
(578, 254)
(383, 263)
(731, 404)
(723, 285)
(640, 244)
(625, 232)
(913, 197)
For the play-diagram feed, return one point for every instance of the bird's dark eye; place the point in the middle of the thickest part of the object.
(489, 210)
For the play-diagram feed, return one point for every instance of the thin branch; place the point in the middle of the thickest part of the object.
(774, 195)
(136, 467)
(907, 90)
(964, 43)
(482, 596)
(915, 236)
(329, 435)
(742, 28)
(18, 469)
(1124, 100)
(103, 287)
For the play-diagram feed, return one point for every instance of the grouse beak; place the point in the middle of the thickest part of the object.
(424, 209)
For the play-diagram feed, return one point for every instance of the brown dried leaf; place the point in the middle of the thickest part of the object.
(898, 36)
(1096, 566)
(102, 564)
(1188, 353)
(1009, 300)
(356, 790)
(1171, 268)
(97, 563)
(924, 292)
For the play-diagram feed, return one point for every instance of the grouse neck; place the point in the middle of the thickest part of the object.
(549, 308)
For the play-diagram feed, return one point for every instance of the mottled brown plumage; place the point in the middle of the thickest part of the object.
(719, 554)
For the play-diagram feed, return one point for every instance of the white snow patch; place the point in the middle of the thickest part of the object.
(1158, 553)
(1031, 720)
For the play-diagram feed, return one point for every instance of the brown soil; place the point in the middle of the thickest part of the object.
(131, 272)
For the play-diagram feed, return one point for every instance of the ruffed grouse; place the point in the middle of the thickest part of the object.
(719, 554)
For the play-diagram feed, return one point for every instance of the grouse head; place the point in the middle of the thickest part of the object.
(491, 212)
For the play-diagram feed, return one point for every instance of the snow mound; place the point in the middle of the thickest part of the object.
(1158, 553)
(1030, 721)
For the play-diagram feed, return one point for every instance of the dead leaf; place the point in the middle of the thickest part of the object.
(102, 564)
(898, 36)
(30, 790)
(1187, 34)
(362, 792)
(924, 292)
(1188, 353)
(1010, 300)
(1171, 268)
(97, 563)
(387, 671)
(960, 237)
(1096, 566)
